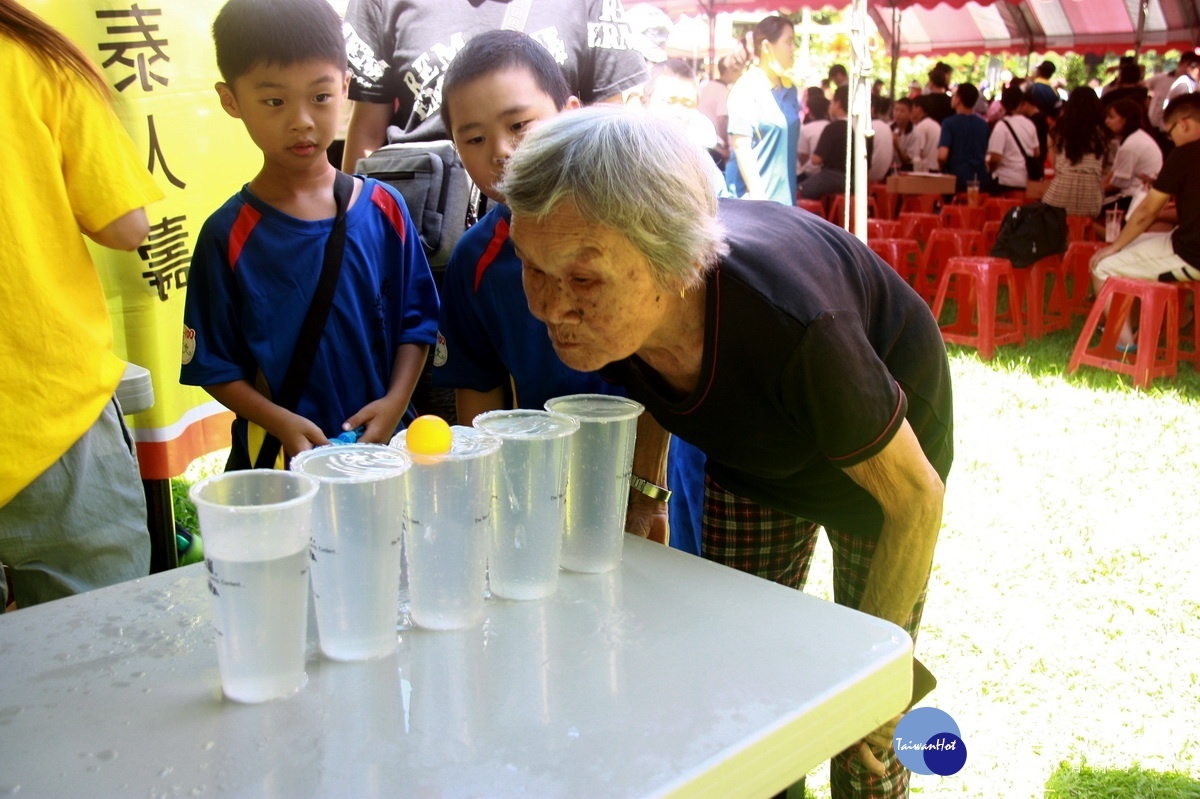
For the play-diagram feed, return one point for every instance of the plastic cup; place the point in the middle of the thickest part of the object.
(973, 192)
(358, 518)
(256, 528)
(447, 527)
(530, 500)
(598, 469)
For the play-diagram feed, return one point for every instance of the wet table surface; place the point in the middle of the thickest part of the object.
(668, 676)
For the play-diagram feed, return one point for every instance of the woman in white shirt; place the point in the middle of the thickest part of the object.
(1013, 138)
(1138, 158)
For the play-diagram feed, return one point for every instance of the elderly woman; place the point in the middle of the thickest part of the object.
(811, 375)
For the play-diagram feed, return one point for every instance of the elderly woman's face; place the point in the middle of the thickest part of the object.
(589, 284)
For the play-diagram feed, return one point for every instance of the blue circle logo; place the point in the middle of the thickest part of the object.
(927, 741)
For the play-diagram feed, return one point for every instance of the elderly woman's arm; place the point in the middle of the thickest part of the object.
(647, 517)
(909, 490)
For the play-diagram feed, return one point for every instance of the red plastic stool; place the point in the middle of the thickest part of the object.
(991, 229)
(1076, 268)
(1192, 352)
(838, 207)
(902, 255)
(994, 208)
(942, 245)
(1080, 228)
(883, 229)
(967, 216)
(1159, 317)
(883, 200)
(981, 327)
(920, 203)
(1044, 315)
(812, 206)
(918, 225)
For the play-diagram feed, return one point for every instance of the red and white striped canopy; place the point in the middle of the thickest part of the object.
(934, 27)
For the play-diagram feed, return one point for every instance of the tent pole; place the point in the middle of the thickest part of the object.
(713, 72)
(895, 48)
(859, 122)
(1141, 31)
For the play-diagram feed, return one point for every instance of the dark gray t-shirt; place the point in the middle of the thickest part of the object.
(399, 51)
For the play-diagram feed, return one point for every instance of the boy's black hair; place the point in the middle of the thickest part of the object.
(818, 105)
(1011, 99)
(925, 103)
(968, 95)
(841, 95)
(880, 106)
(1185, 105)
(281, 32)
(906, 102)
(939, 78)
(1046, 69)
(494, 51)
(1130, 74)
(672, 66)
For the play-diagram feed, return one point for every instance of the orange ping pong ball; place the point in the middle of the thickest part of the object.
(428, 435)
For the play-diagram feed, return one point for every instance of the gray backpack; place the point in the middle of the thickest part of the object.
(436, 189)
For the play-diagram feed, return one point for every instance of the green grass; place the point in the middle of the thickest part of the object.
(1132, 783)
(1063, 614)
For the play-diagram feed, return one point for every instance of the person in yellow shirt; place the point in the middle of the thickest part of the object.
(72, 511)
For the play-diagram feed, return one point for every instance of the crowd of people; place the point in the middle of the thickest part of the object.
(1100, 148)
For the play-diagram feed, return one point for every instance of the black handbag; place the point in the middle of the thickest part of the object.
(1029, 233)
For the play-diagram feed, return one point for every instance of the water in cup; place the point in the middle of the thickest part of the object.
(256, 528)
(356, 532)
(973, 192)
(530, 501)
(447, 527)
(598, 470)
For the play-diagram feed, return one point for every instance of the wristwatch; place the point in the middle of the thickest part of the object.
(655, 492)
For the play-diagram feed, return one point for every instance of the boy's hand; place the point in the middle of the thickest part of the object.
(381, 418)
(298, 434)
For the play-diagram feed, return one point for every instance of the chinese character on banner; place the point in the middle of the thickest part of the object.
(166, 253)
(158, 58)
(134, 44)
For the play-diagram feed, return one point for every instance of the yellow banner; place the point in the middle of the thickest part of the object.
(158, 58)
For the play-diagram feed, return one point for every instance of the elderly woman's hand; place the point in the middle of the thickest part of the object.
(647, 518)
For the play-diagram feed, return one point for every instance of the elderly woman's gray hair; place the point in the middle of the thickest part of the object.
(627, 172)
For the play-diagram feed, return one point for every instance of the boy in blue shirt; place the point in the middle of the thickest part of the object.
(491, 349)
(962, 148)
(256, 263)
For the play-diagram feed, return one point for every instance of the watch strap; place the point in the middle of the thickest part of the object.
(656, 492)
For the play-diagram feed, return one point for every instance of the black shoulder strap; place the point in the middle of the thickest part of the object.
(1016, 138)
(296, 378)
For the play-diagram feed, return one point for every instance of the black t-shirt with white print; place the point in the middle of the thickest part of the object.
(399, 51)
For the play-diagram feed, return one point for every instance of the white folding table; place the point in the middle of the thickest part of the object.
(670, 676)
